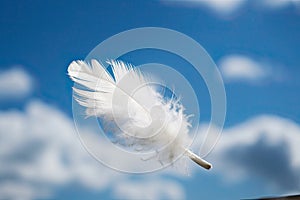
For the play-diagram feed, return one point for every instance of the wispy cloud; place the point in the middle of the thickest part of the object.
(229, 7)
(240, 68)
(15, 83)
(265, 148)
(223, 7)
(39, 150)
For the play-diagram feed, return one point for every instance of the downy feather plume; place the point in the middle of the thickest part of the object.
(132, 109)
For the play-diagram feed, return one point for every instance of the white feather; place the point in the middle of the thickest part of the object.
(132, 109)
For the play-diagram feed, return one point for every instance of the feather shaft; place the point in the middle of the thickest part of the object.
(201, 162)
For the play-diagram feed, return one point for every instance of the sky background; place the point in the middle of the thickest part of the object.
(255, 45)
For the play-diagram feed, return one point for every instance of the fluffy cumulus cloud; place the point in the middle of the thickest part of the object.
(39, 150)
(265, 148)
(15, 83)
(242, 68)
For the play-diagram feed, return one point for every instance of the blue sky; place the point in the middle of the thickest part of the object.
(255, 44)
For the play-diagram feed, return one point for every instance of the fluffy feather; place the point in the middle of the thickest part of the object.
(132, 109)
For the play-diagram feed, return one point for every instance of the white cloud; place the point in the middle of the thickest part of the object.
(220, 7)
(243, 68)
(152, 189)
(266, 148)
(39, 147)
(15, 83)
(225, 8)
(22, 191)
(40, 150)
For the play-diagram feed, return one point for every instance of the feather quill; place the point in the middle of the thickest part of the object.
(132, 109)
